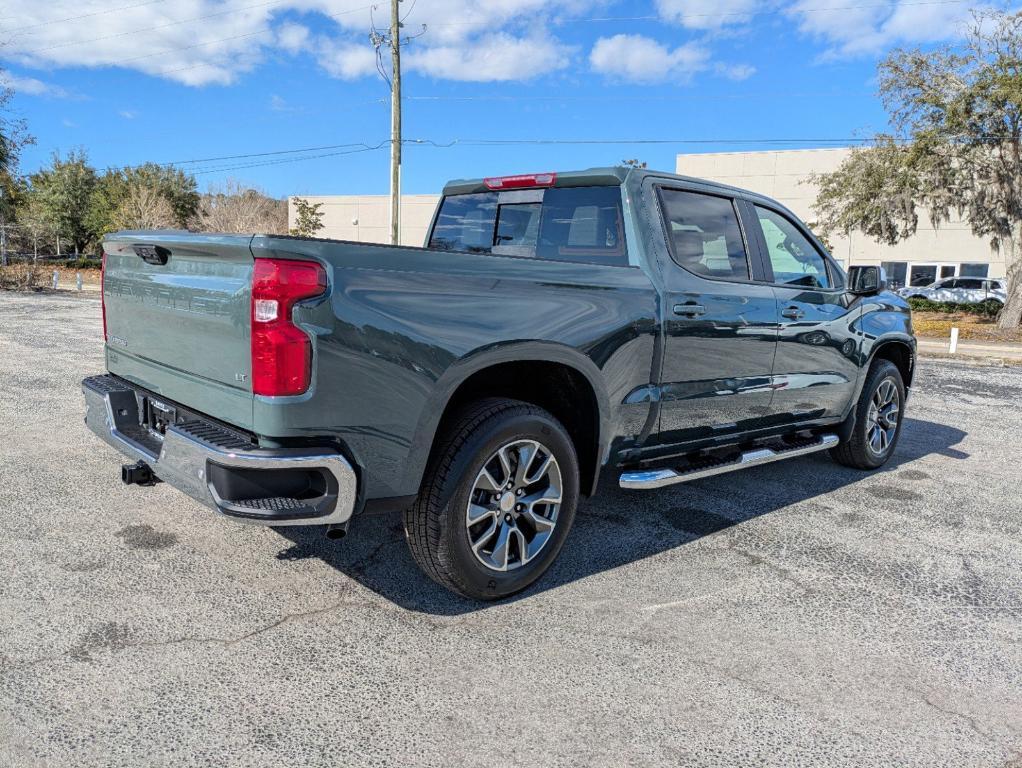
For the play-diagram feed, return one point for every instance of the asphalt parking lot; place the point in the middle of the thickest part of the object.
(800, 613)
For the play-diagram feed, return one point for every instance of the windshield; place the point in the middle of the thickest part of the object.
(562, 224)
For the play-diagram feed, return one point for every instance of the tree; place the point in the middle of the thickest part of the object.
(634, 163)
(147, 196)
(956, 148)
(308, 218)
(13, 134)
(175, 186)
(65, 193)
(13, 137)
(33, 224)
(232, 207)
(144, 207)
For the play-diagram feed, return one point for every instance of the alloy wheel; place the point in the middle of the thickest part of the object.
(882, 417)
(513, 506)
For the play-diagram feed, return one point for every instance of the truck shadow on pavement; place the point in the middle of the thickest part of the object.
(618, 527)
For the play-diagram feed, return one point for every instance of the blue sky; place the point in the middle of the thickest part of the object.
(183, 80)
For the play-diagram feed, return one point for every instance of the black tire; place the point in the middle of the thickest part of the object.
(859, 450)
(436, 526)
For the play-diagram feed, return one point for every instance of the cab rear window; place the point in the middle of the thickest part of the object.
(583, 224)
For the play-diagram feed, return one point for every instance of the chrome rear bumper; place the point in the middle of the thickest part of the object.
(189, 451)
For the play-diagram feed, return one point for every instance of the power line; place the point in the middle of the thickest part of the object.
(182, 21)
(722, 14)
(256, 154)
(154, 29)
(84, 16)
(222, 169)
(600, 97)
(595, 19)
(354, 148)
(587, 142)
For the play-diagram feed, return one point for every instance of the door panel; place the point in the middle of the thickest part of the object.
(720, 326)
(815, 369)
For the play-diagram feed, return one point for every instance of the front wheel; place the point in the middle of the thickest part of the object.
(497, 501)
(878, 418)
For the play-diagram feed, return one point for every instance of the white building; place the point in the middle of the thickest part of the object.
(782, 175)
(366, 218)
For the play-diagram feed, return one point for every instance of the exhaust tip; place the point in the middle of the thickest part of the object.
(335, 532)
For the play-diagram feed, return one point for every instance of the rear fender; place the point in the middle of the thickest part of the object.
(483, 358)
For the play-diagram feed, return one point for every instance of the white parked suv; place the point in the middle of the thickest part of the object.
(958, 290)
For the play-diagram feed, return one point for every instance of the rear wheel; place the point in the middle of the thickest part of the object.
(878, 416)
(497, 501)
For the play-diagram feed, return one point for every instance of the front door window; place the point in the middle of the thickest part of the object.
(794, 259)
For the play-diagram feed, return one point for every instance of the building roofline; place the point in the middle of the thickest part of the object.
(767, 151)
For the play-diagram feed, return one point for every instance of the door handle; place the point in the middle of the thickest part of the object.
(794, 313)
(689, 310)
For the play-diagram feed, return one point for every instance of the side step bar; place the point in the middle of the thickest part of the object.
(657, 478)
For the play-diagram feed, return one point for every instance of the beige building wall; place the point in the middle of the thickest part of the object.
(783, 175)
(366, 218)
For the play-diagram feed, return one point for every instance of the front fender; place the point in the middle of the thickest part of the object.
(886, 319)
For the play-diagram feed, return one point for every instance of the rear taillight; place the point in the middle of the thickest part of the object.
(281, 351)
(102, 292)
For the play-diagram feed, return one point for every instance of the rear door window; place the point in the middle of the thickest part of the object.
(583, 224)
(704, 235)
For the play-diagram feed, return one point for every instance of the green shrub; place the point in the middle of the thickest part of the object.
(988, 308)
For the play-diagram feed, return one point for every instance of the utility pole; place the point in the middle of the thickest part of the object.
(395, 123)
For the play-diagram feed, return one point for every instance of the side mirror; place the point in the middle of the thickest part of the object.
(866, 281)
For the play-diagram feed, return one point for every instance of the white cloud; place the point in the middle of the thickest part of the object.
(870, 29)
(735, 72)
(348, 61)
(492, 57)
(707, 14)
(32, 86)
(127, 114)
(641, 59)
(201, 42)
(293, 38)
(191, 41)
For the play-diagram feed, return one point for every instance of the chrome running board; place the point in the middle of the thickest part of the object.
(648, 479)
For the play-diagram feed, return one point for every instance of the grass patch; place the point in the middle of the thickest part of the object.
(972, 327)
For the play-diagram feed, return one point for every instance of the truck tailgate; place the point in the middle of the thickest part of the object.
(177, 316)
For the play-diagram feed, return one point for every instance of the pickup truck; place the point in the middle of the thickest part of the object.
(554, 325)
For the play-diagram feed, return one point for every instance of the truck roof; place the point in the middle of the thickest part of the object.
(591, 177)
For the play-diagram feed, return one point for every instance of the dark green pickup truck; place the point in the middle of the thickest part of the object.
(554, 325)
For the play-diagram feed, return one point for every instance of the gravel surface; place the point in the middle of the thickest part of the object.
(799, 613)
